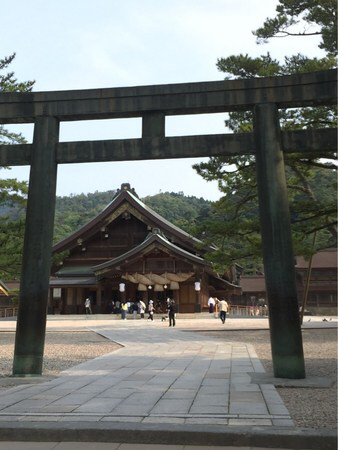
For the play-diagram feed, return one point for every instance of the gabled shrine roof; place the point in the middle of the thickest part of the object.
(153, 240)
(126, 195)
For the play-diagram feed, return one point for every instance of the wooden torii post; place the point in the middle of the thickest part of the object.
(263, 96)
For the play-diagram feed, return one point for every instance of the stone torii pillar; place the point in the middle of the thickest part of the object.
(34, 284)
(285, 330)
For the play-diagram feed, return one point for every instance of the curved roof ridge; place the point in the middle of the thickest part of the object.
(163, 220)
(151, 238)
(125, 193)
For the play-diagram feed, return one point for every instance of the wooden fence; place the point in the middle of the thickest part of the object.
(248, 311)
(8, 312)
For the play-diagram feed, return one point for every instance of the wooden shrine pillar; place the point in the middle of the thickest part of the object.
(285, 331)
(32, 314)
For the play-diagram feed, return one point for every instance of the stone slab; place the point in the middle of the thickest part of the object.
(308, 382)
(161, 434)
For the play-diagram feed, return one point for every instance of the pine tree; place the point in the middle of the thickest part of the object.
(13, 193)
(234, 224)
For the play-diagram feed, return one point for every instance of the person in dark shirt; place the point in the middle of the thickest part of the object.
(172, 313)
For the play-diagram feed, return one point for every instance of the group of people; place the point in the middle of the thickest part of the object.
(139, 307)
(258, 308)
(221, 305)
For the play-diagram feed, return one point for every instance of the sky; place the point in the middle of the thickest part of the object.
(81, 44)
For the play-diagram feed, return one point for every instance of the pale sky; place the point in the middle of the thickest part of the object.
(81, 44)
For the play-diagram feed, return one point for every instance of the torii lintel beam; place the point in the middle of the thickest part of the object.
(308, 89)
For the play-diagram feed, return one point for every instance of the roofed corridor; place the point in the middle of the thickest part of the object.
(160, 375)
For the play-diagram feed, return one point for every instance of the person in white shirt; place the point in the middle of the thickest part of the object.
(151, 310)
(88, 306)
(211, 304)
(142, 308)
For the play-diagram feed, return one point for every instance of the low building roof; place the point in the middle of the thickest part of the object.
(74, 271)
(324, 259)
(72, 281)
(253, 283)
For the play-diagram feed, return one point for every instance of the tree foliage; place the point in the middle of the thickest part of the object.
(71, 212)
(233, 225)
(185, 212)
(8, 83)
(13, 193)
(303, 18)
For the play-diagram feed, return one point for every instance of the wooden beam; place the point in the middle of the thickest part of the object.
(300, 141)
(320, 140)
(307, 89)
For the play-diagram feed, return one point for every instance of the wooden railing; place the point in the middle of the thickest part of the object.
(8, 312)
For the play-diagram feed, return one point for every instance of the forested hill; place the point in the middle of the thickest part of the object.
(184, 212)
(74, 211)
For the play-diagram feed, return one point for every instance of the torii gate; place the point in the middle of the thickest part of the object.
(263, 96)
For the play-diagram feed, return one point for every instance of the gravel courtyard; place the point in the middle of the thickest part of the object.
(311, 408)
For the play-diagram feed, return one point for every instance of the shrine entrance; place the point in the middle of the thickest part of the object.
(262, 96)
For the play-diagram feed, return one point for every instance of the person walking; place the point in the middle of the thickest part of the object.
(172, 313)
(117, 307)
(216, 311)
(223, 307)
(124, 310)
(151, 310)
(88, 307)
(134, 308)
(142, 308)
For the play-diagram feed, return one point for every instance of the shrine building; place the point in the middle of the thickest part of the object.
(129, 252)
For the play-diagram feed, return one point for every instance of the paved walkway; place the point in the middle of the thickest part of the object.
(160, 375)
(110, 446)
(161, 378)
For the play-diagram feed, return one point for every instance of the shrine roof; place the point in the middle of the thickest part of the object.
(72, 281)
(75, 271)
(153, 240)
(3, 288)
(129, 196)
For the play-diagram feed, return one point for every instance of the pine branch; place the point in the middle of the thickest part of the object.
(310, 162)
(287, 33)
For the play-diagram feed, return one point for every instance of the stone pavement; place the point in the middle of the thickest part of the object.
(166, 383)
(110, 446)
